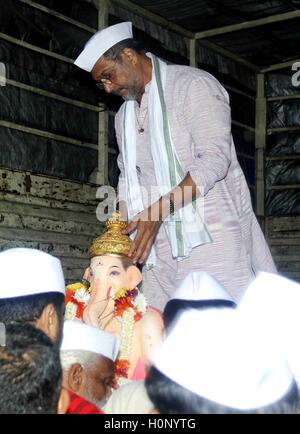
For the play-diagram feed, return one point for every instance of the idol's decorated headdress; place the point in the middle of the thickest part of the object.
(112, 242)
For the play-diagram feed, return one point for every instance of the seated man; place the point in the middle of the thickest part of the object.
(32, 290)
(87, 357)
(30, 373)
(213, 363)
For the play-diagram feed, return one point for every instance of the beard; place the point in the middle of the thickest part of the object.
(134, 92)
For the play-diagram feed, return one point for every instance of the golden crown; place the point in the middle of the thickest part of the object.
(112, 242)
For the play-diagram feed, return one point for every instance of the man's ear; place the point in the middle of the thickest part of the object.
(75, 377)
(47, 321)
(63, 402)
(133, 276)
(129, 55)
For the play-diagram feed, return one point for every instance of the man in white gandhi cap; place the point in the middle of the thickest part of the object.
(180, 186)
(32, 290)
(200, 291)
(87, 356)
(213, 362)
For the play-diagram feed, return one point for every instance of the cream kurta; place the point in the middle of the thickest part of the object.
(200, 123)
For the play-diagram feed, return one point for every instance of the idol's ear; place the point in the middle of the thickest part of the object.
(134, 276)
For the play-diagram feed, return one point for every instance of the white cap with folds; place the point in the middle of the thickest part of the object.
(29, 271)
(201, 286)
(102, 41)
(209, 353)
(272, 304)
(79, 336)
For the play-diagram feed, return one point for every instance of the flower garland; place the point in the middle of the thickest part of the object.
(130, 306)
(77, 297)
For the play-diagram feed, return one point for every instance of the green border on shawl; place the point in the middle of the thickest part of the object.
(171, 156)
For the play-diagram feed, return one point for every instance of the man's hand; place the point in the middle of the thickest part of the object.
(147, 224)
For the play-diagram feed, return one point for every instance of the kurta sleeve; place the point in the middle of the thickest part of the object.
(208, 118)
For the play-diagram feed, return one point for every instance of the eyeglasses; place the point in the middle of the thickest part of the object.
(109, 77)
(100, 84)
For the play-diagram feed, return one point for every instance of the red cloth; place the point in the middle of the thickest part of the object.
(79, 405)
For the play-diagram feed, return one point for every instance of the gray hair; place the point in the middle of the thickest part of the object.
(114, 53)
(68, 358)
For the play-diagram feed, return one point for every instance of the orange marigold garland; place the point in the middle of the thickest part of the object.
(77, 296)
(130, 306)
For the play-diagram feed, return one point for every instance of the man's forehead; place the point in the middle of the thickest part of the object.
(104, 363)
(100, 66)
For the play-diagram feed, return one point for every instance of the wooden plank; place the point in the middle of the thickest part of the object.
(46, 237)
(58, 250)
(284, 241)
(46, 212)
(76, 263)
(72, 275)
(286, 250)
(287, 259)
(44, 203)
(9, 220)
(285, 224)
(22, 183)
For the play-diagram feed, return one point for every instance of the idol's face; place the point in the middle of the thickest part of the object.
(107, 276)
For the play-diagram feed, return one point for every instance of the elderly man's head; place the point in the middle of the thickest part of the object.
(117, 62)
(87, 358)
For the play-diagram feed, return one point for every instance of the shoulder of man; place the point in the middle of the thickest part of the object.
(181, 75)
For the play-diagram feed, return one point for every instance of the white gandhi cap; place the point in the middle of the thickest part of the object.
(200, 286)
(79, 336)
(29, 271)
(101, 42)
(272, 304)
(214, 356)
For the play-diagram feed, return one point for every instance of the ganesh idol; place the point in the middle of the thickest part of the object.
(110, 299)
